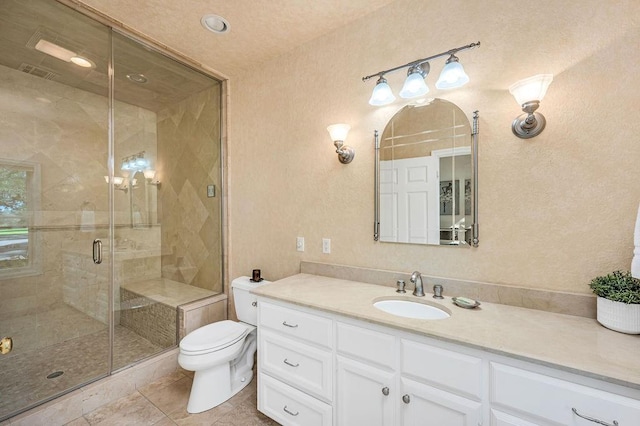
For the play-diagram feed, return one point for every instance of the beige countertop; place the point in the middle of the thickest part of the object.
(575, 344)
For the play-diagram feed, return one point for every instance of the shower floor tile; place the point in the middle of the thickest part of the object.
(81, 354)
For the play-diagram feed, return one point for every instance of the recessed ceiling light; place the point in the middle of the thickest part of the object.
(215, 23)
(82, 62)
(137, 78)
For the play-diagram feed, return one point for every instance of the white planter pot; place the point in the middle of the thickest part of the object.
(619, 316)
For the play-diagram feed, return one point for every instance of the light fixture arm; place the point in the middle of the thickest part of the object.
(421, 61)
(529, 124)
(345, 153)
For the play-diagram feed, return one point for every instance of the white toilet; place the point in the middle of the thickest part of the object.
(221, 354)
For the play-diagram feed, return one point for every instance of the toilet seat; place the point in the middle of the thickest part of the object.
(213, 337)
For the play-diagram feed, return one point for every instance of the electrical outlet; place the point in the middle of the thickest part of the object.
(326, 245)
(300, 243)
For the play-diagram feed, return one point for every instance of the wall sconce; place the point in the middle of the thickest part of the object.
(119, 183)
(338, 133)
(528, 93)
(451, 77)
(149, 175)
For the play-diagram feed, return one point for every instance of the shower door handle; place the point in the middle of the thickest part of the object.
(97, 251)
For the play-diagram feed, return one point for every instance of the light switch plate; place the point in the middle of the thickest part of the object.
(211, 191)
(300, 243)
(326, 245)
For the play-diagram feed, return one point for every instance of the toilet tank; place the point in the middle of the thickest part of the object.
(243, 300)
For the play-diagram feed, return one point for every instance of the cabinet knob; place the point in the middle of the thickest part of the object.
(406, 399)
(385, 391)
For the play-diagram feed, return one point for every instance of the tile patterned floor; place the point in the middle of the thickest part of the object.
(164, 403)
(81, 356)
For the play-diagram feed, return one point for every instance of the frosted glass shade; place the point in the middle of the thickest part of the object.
(414, 85)
(117, 180)
(382, 94)
(531, 89)
(338, 132)
(149, 174)
(452, 76)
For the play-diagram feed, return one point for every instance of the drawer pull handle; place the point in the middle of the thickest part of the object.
(288, 363)
(591, 419)
(385, 391)
(289, 412)
(406, 399)
(289, 325)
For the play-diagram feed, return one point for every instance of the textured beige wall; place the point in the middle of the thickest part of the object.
(188, 161)
(554, 211)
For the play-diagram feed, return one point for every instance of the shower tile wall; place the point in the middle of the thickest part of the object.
(64, 130)
(189, 160)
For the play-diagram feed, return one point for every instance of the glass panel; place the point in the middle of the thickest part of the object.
(167, 241)
(53, 201)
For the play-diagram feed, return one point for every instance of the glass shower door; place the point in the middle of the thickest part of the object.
(54, 202)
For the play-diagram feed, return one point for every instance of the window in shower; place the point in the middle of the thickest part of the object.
(19, 196)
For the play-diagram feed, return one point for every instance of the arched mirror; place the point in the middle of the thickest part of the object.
(426, 177)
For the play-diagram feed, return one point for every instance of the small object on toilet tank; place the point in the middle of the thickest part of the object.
(255, 276)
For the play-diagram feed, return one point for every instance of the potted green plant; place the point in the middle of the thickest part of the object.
(618, 301)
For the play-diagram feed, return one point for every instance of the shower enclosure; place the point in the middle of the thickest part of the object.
(110, 207)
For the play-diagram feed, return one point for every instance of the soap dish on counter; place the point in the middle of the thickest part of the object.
(465, 302)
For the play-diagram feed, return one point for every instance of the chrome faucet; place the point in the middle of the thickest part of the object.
(416, 278)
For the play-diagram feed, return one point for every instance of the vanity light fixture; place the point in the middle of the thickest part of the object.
(528, 93)
(451, 77)
(414, 84)
(338, 133)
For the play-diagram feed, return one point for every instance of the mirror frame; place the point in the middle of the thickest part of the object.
(475, 229)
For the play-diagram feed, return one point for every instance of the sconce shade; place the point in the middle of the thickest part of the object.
(531, 89)
(338, 132)
(414, 84)
(382, 94)
(149, 174)
(452, 75)
(118, 180)
(528, 93)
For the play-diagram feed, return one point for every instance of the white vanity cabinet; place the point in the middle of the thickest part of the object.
(386, 380)
(295, 363)
(320, 368)
(534, 398)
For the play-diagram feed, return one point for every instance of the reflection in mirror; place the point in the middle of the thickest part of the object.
(425, 177)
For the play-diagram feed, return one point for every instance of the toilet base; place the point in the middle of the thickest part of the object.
(214, 386)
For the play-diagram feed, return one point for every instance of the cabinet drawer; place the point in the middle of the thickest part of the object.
(550, 399)
(305, 367)
(445, 369)
(303, 326)
(289, 406)
(366, 344)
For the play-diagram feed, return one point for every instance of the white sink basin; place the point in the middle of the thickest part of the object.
(409, 309)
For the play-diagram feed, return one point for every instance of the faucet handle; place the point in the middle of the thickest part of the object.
(400, 284)
(437, 292)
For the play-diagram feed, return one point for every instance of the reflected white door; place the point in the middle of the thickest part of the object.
(409, 200)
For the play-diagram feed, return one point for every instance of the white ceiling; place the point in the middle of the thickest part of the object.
(260, 29)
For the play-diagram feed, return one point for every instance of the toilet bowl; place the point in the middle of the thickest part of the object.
(221, 354)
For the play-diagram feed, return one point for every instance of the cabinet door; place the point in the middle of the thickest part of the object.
(365, 394)
(423, 405)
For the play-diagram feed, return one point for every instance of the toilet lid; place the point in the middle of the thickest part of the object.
(213, 336)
